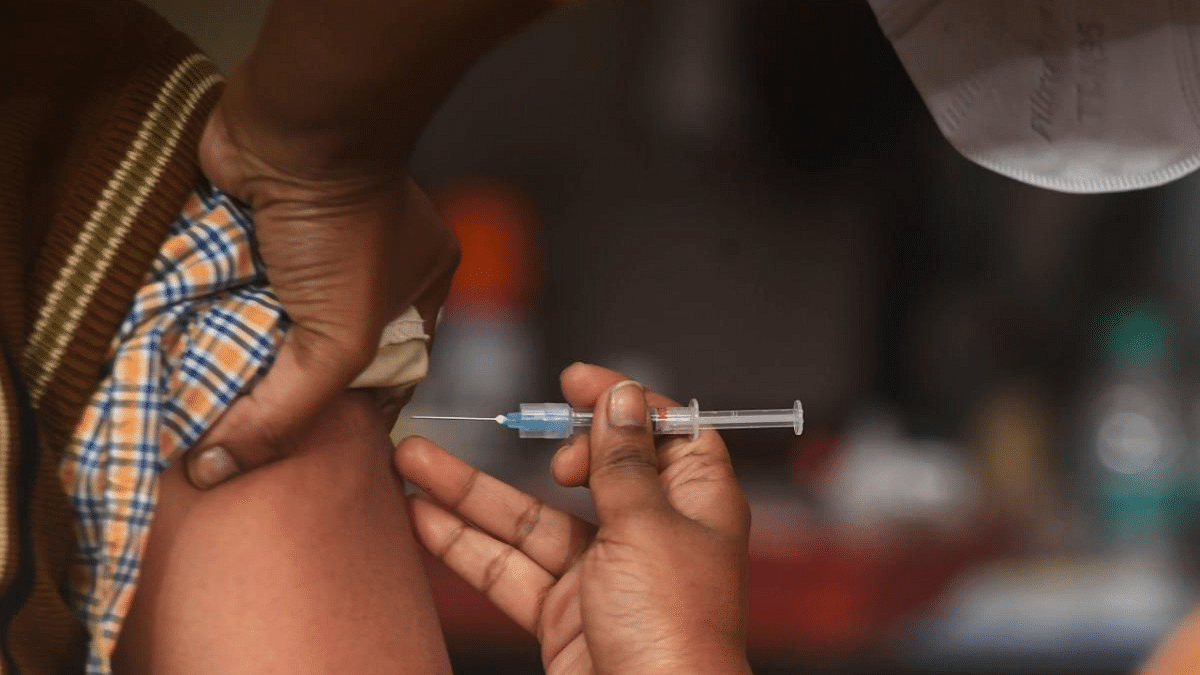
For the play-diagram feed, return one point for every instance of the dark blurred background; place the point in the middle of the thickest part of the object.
(746, 202)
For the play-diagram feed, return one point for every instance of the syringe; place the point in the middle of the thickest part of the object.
(559, 420)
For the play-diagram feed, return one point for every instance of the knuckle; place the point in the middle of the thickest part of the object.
(453, 539)
(465, 491)
(272, 441)
(495, 568)
(348, 352)
(541, 603)
(628, 455)
(528, 522)
(348, 346)
(619, 551)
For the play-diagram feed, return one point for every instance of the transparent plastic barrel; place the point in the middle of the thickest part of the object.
(686, 421)
(546, 420)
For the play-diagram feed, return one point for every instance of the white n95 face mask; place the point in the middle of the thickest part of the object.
(1076, 96)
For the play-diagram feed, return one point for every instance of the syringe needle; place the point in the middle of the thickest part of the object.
(451, 417)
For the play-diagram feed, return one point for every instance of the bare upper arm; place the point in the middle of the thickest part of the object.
(304, 566)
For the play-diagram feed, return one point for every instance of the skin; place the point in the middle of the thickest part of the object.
(659, 586)
(313, 132)
(304, 566)
(1179, 653)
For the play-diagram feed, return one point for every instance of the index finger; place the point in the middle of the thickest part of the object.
(582, 384)
(550, 537)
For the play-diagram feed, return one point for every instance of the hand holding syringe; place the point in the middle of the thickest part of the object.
(559, 420)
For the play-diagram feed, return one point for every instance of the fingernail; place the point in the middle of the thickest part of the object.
(214, 465)
(627, 406)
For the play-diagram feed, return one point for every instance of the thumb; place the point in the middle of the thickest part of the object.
(262, 424)
(624, 474)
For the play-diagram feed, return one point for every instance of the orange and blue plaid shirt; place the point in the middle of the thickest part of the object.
(202, 328)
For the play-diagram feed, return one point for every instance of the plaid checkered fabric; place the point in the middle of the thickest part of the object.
(203, 327)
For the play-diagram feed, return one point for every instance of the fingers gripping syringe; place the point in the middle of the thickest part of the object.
(559, 420)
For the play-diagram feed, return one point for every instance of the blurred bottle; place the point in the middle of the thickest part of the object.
(1013, 431)
(1133, 468)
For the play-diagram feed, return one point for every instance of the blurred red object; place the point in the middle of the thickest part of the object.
(837, 594)
(497, 226)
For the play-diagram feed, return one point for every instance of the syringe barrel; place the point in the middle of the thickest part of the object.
(666, 421)
(546, 420)
(558, 420)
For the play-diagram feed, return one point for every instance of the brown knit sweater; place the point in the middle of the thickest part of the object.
(101, 108)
